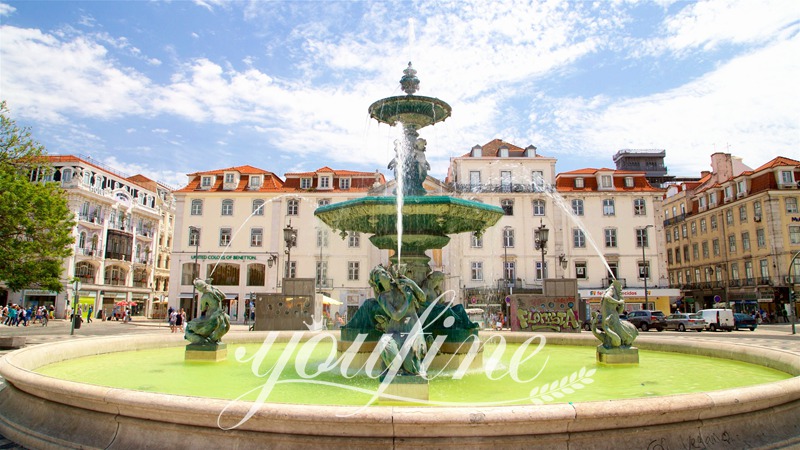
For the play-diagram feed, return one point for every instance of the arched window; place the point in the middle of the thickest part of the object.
(94, 242)
(82, 240)
(226, 274)
(187, 274)
(538, 207)
(258, 207)
(227, 207)
(66, 176)
(256, 275)
(197, 207)
(115, 276)
(140, 278)
(85, 272)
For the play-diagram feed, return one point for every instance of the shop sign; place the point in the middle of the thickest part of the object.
(225, 257)
(547, 313)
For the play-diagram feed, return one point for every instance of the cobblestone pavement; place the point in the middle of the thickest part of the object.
(776, 336)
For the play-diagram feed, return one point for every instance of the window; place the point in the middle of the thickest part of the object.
(764, 268)
(115, 276)
(693, 226)
(475, 181)
(614, 269)
(256, 275)
(608, 207)
(746, 241)
(538, 207)
(255, 181)
(292, 207)
(324, 182)
(225, 274)
(611, 237)
(579, 183)
(676, 234)
(537, 176)
(794, 235)
(578, 238)
(354, 239)
(732, 243)
(748, 271)
(705, 250)
(352, 270)
(695, 251)
(728, 192)
(669, 257)
(322, 274)
(741, 188)
(580, 270)
(702, 201)
(791, 205)
(629, 182)
(258, 207)
(713, 222)
(322, 237)
(641, 237)
(197, 207)
(715, 246)
(256, 237)
(505, 181)
(508, 237)
(761, 239)
(686, 253)
(82, 240)
(227, 207)
(508, 206)
(644, 270)
(669, 236)
(229, 178)
(757, 210)
(541, 272)
(323, 202)
(577, 207)
(510, 271)
(477, 240)
(344, 183)
(729, 217)
(703, 227)
(639, 207)
(677, 255)
(684, 233)
(224, 237)
(205, 182)
(743, 214)
(194, 237)
(305, 183)
(477, 271)
(290, 271)
(735, 271)
(606, 182)
(787, 177)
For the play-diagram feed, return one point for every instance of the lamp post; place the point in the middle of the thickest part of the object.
(562, 258)
(290, 237)
(506, 231)
(272, 258)
(76, 286)
(194, 236)
(540, 238)
(645, 266)
(792, 294)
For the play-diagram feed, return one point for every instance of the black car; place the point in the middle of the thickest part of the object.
(644, 320)
(741, 320)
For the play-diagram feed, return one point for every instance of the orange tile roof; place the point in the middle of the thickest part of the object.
(565, 182)
(778, 162)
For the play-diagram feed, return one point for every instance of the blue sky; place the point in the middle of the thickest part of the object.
(166, 88)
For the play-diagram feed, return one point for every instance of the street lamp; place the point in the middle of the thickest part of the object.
(562, 258)
(540, 238)
(194, 236)
(506, 239)
(272, 258)
(645, 266)
(792, 294)
(76, 287)
(290, 237)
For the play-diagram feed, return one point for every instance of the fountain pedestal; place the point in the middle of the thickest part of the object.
(206, 352)
(617, 355)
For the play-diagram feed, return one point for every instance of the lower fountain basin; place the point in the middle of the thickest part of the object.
(43, 412)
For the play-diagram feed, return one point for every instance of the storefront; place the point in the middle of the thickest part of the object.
(35, 298)
(657, 299)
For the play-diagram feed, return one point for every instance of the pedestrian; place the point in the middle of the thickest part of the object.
(173, 320)
(89, 315)
(22, 317)
(12, 316)
(180, 319)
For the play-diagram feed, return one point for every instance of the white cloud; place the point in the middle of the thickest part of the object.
(6, 9)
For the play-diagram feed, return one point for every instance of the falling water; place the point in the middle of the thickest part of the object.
(402, 147)
(559, 201)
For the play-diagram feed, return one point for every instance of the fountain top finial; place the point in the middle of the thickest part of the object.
(409, 82)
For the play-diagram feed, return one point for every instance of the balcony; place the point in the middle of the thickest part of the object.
(87, 252)
(734, 283)
(502, 188)
(91, 218)
(140, 284)
(749, 281)
(86, 279)
(764, 281)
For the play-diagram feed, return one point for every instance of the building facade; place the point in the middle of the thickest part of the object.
(119, 222)
(730, 236)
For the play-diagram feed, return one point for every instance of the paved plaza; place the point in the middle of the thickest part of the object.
(775, 336)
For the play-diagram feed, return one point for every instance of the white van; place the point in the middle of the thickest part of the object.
(718, 319)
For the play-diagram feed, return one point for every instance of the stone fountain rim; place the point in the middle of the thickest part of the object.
(395, 421)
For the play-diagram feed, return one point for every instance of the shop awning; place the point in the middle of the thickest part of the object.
(327, 300)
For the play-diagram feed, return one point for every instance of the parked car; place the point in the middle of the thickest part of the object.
(685, 321)
(718, 319)
(644, 320)
(741, 320)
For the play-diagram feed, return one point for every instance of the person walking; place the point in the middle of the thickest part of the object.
(89, 315)
(180, 318)
(173, 320)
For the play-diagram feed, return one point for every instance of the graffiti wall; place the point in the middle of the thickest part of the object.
(545, 313)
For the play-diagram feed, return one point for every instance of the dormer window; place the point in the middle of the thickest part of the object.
(229, 178)
(477, 151)
(325, 182)
(606, 182)
(629, 182)
(787, 177)
(503, 152)
(205, 182)
(255, 181)
(305, 183)
(344, 183)
(579, 183)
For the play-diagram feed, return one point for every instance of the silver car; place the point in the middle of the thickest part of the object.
(684, 321)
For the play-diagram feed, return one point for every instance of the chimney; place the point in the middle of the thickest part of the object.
(722, 166)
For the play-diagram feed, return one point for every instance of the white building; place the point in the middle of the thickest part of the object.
(239, 215)
(119, 221)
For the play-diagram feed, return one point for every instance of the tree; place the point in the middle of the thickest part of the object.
(35, 221)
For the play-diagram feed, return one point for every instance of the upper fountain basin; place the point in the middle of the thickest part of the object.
(410, 110)
(431, 215)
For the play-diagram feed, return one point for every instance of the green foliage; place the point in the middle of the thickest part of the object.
(35, 220)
